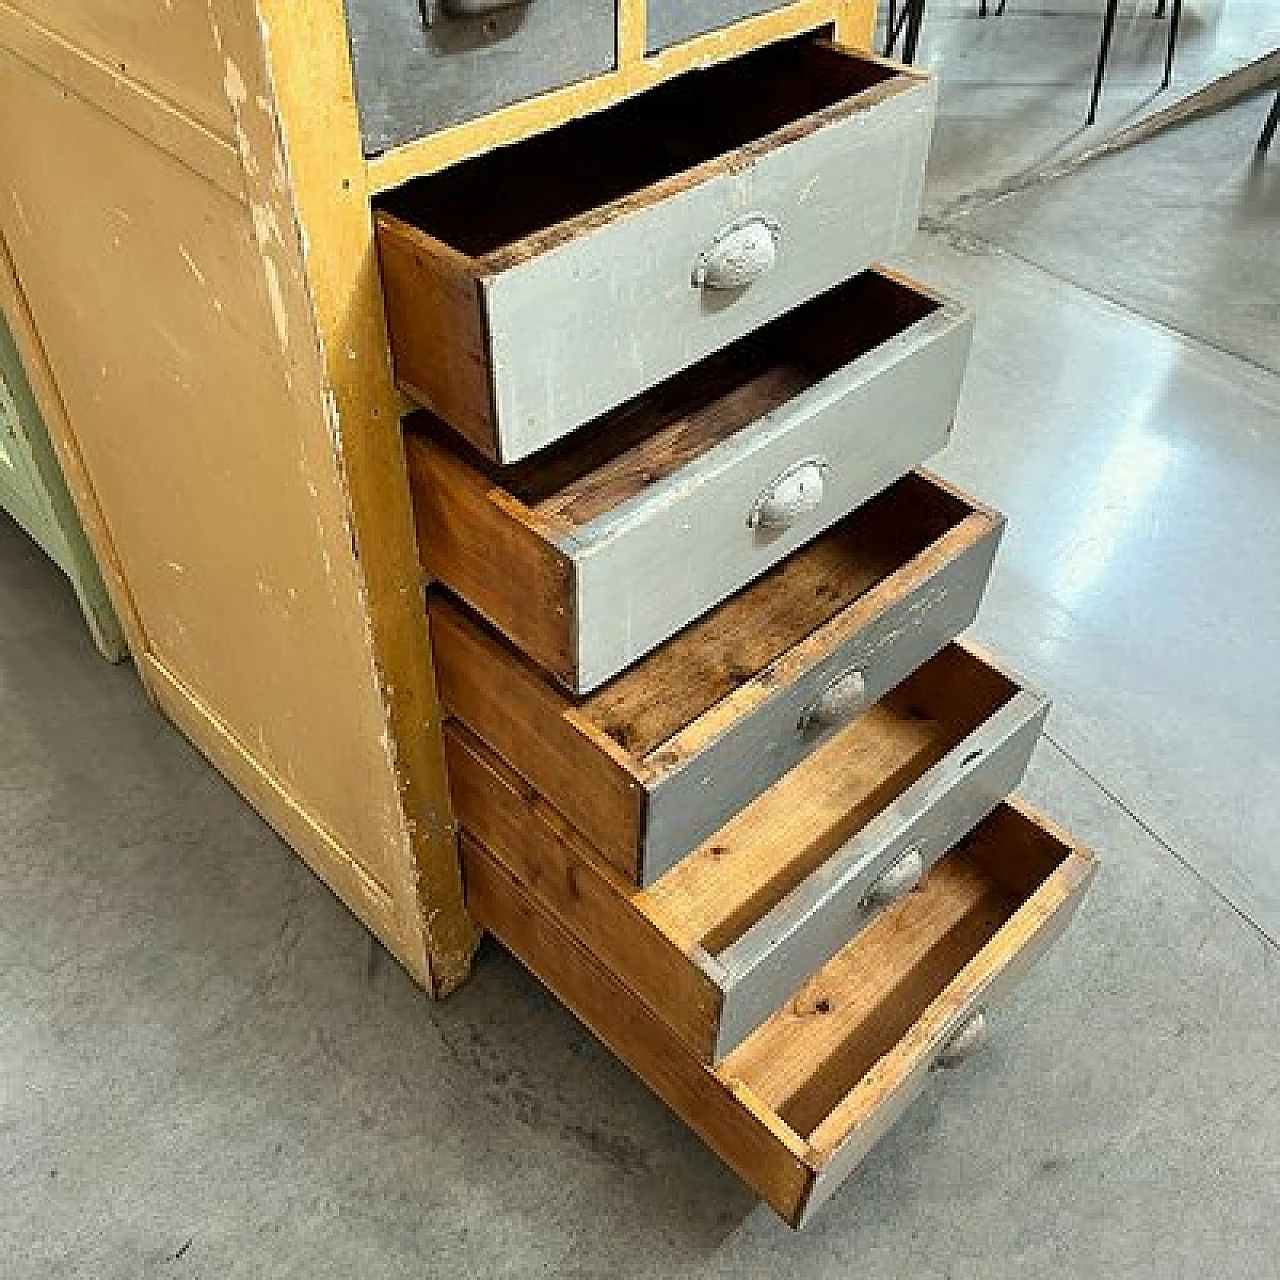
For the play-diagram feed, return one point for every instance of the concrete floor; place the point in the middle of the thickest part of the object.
(206, 1070)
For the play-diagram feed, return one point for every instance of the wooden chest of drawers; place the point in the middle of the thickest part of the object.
(682, 717)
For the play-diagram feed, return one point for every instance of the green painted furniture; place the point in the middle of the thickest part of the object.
(34, 493)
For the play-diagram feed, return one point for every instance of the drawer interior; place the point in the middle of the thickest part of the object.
(811, 1056)
(502, 196)
(596, 469)
(654, 700)
(711, 898)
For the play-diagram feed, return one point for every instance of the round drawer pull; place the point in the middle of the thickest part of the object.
(841, 700)
(793, 493)
(967, 1039)
(741, 253)
(897, 882)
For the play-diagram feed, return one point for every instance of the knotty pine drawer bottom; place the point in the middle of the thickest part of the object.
(798, 1105)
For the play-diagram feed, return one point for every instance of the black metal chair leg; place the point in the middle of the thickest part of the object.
(1269, 129)
(982, 8)
(915, 19)
(1160, 8)
(1108, 26)
(890, 22)
(1173, 40)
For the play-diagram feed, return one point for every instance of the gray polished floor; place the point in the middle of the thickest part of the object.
(206, 1070)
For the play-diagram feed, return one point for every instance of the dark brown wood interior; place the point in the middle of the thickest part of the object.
(494, 199)
(662, 693)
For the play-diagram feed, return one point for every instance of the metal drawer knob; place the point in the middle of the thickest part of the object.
(797, 491)
(841, 700)
(740, 254)
(968, 1038)
(466, 8)
(897, 882)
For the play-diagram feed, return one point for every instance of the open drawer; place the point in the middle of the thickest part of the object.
(653, 762)
(796, 1107)
(726, 936)
(534, 287)
(700, 484)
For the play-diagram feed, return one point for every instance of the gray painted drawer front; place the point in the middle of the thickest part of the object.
(680, 504)
(864, 426)
(413, 78)
(671, 21)
(517, 343)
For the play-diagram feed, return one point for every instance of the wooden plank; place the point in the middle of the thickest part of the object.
(602, 909)
(511, 706)
(165, 47)
(438, 336)
(157, 73)
(761, 1150)
(854, 21)
(498, 556)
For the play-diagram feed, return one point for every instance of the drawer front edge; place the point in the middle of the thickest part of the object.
(697, 798)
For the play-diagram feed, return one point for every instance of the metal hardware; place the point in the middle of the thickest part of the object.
(839, 701)
(897, 882)
(739, 255)
(793, 493)
(431, 9)
(968, 1038)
